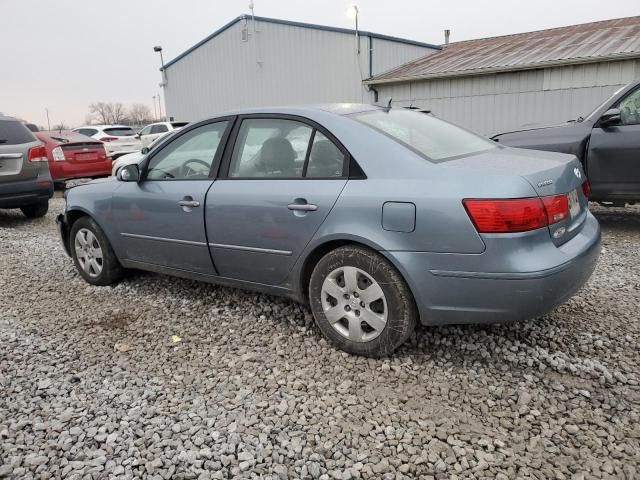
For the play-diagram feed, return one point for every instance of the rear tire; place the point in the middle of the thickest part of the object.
(36, 210)
(92, 253)
(361, 303)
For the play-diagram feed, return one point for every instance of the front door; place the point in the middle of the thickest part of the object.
(614, 154)
(282, 180)
(161, 219)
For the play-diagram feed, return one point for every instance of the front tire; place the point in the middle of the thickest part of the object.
(92, 253)
(361, 303)
(36, 210)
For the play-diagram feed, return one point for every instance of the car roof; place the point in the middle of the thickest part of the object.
(103, 126)
(335, 108)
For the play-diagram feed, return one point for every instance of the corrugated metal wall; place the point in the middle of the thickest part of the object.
(499, 102)
(388, 54)
(280, 64)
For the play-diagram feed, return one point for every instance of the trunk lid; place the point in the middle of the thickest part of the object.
(548, 173)
(84, 152)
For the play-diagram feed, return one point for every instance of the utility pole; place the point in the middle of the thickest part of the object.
(48, 121)
(155, 108)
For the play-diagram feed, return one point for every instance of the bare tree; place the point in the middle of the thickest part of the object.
(99, 112)
(139, 114)
(60, 126)
(118, 113)
(107, 112)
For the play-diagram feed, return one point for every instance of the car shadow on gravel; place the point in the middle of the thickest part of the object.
(15, 218)
(456, 342)
(617, 218)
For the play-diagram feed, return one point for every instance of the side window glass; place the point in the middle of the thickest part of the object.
(325, 160)
(270, 148)
(630, 109)
(146, 130)
(188, 157)
(159, 129)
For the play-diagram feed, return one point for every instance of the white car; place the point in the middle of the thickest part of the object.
(135, 157)
(118, 139)
(155, 130)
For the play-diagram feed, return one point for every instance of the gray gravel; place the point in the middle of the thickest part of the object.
(94, 386)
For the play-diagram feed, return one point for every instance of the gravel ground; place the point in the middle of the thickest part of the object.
(94, 386)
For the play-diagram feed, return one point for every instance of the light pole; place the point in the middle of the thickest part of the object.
(160, 106)
(353, 12)
(158, 49)
(155, 108)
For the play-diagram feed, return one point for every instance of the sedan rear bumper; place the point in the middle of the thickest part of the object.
(67, 171)
(27, 192)
(449, 296)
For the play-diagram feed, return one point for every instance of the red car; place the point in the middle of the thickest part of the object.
(73, 155)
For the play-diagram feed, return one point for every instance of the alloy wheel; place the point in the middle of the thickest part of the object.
(354, 304)
(89, 252)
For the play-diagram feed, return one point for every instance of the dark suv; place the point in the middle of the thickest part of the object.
(25, 182)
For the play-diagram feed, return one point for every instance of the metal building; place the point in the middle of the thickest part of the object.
(500, 83)
(257, 61)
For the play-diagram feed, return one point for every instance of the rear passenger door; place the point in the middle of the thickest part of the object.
(280, 178)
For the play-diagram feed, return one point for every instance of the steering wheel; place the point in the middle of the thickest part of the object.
(151, 174)
(187, 171)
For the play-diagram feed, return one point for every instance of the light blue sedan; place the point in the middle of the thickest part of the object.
(376, 217)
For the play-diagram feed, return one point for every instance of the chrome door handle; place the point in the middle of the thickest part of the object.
(189, 203)
(304, 207)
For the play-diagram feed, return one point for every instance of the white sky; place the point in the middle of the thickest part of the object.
(66, 54)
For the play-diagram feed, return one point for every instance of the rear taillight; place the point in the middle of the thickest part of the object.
(58, 154)
(557, 208)
(516, 214)
(108, 139)
(38, 154)
(501, 216)
(586, 189)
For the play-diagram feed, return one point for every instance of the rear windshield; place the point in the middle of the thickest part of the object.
(120, 131)
(68, 137)
(178, 124)
(13, 132)
(433, 138)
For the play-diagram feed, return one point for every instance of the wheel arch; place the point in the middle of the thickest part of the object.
(320, 250)
(72, 216)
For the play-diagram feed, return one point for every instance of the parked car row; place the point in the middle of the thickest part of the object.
(32, 162)
(378, 218)
(121, 139)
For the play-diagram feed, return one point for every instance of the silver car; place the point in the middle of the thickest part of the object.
(25, 181)
(377, 218)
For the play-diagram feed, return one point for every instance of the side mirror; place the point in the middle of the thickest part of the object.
(145, 150)
(611, 117)
(129, 173)
(137, 135)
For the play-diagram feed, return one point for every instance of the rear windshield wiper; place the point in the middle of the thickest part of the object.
(3, 140)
